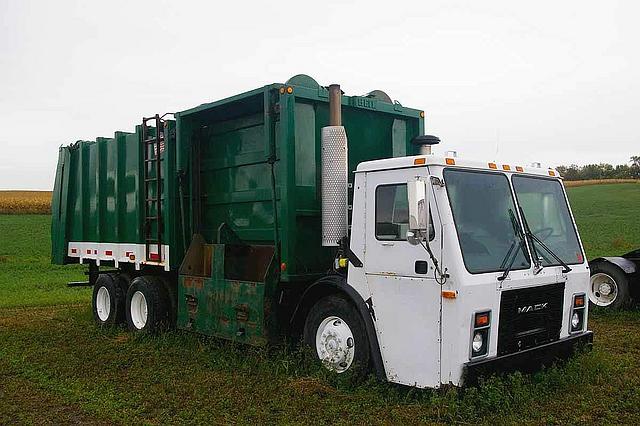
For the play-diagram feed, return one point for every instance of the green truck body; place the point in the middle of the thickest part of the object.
(230, 214)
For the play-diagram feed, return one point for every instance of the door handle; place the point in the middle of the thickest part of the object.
(387, 243)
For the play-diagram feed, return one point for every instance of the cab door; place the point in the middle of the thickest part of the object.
(405, 296)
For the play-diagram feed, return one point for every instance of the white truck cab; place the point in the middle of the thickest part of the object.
(467, 267)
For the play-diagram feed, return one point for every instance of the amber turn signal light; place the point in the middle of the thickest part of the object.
(578, 302)
(482, 319)
(449, 294)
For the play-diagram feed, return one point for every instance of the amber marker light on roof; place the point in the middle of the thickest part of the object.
(552, 173)
(519, 169)
(282, 90)
(450, 161)
(421, 114)
(493, 166)
(289, 90)
(419, 161)
(506, 167)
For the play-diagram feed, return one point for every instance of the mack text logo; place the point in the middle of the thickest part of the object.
(532, 308)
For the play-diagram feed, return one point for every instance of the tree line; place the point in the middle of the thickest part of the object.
(602, 170)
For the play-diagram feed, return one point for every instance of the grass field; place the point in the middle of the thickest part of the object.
(608, 217)
(56, 367)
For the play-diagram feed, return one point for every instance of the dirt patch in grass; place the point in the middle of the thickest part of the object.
(21, 402)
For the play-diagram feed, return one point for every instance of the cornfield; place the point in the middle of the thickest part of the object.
(571, 183)
(25, 202)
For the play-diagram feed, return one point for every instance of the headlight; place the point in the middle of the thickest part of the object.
(480, 326)
(478, 341)
(575, 320)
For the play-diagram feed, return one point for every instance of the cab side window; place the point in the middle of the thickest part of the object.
(392, 213)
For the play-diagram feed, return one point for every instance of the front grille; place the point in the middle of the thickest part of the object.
(530, 317)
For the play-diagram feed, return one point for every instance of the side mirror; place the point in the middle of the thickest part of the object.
(418, 205)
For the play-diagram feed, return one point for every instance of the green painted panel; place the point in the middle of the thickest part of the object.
(222, 291)
(219, 167)
(305, 140)
(99, 193)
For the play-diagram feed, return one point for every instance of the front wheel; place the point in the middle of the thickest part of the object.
(336, 332)
(609, 286)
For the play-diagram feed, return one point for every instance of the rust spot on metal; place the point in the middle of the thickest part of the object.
(192, 305)
(194, 282)
(242, 312)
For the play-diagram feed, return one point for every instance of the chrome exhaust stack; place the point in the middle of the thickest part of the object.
(334, 181)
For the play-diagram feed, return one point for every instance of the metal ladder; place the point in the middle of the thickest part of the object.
(153, 147)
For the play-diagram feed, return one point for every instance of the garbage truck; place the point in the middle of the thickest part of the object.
(294, 210)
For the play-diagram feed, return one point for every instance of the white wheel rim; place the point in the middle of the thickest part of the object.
(103, 303)
(603, 289)
(335, 344)
(138, 310)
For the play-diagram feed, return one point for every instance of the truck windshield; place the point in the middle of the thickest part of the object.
(545, 207)
(480, 202)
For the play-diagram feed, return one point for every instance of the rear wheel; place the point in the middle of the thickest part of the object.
(609, 287)
(147, 305)
(337, 335)
(108, 301)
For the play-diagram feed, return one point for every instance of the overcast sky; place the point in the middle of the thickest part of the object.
(550, 81)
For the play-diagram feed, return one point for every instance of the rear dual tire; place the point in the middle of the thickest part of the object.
(108, 301)
(145, 305)
(148, 305)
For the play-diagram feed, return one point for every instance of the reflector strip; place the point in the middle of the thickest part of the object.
(108, 253)
(418, 161)
(74, 251)
(154, 256)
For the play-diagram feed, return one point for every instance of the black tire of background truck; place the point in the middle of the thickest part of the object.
(110, 284)
(339, 306)
(623, 299)
(157, 304)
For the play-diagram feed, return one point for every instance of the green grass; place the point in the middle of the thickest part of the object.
(27, 277)
(608, 217)
(57, 367)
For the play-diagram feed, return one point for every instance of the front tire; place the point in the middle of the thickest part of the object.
(108, 301)
(337, 335)
(609, 287)
(147, 306)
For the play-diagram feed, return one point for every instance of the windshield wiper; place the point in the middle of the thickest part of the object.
(532, 238)
(519, 241)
